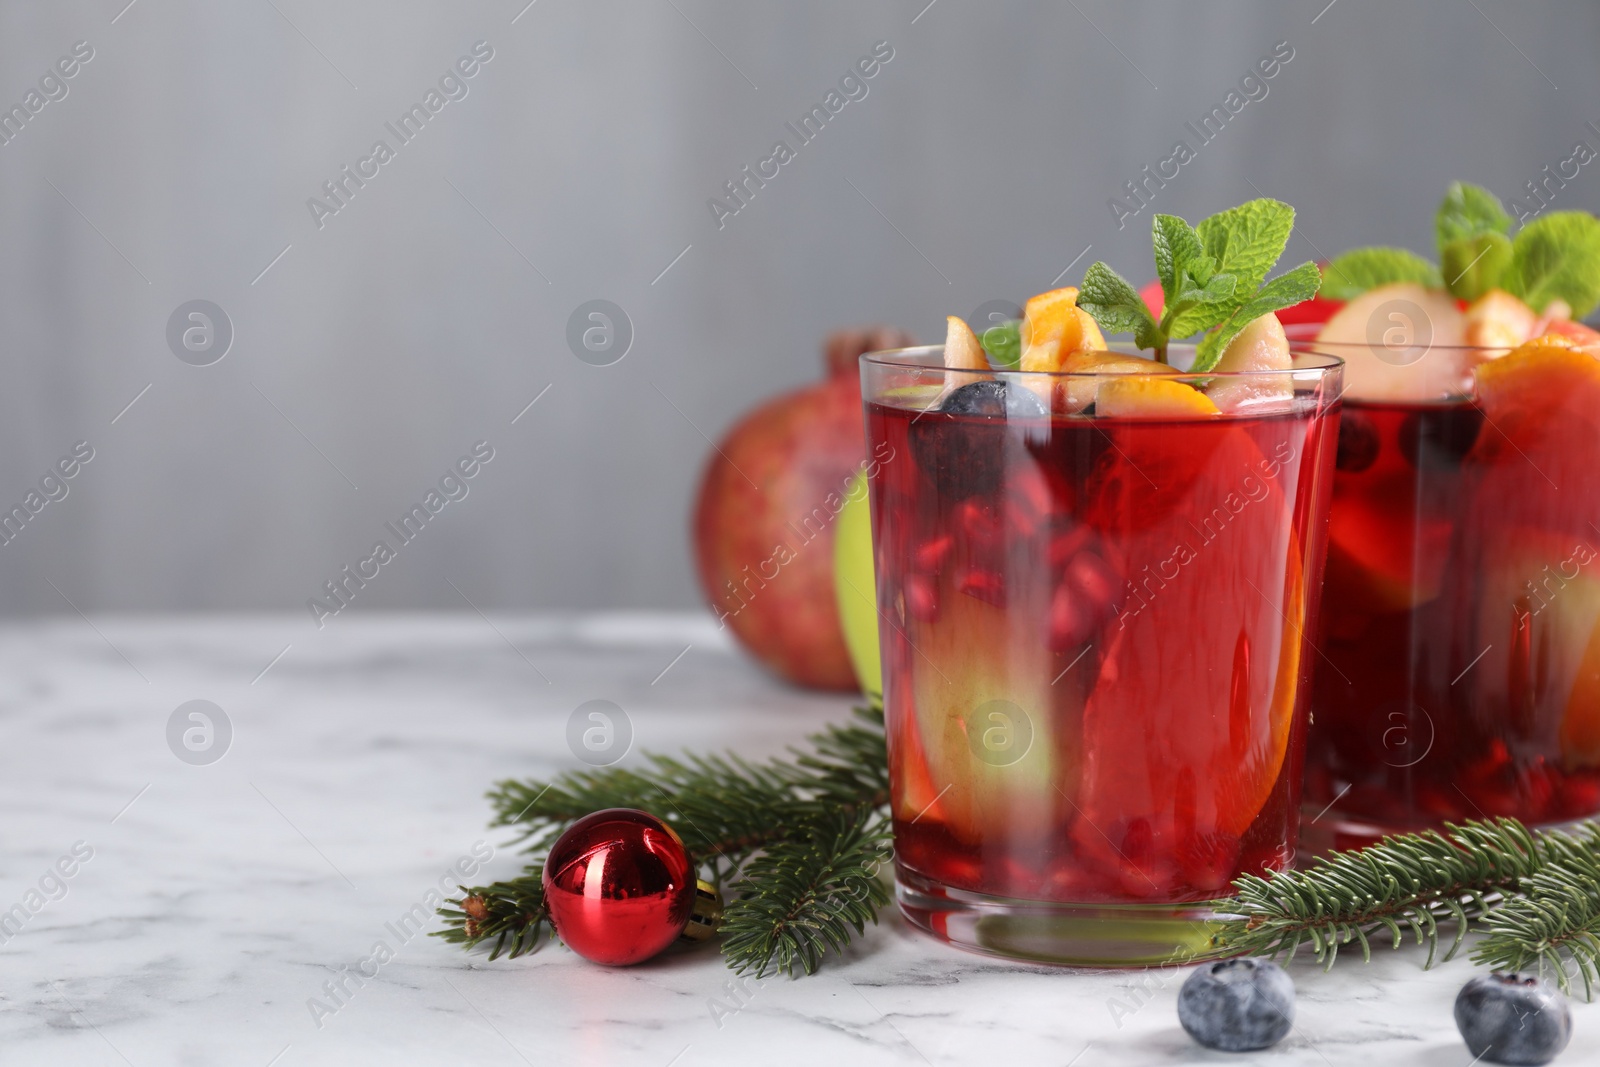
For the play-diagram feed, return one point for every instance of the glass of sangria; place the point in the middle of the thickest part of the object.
(1094, 588)
(1461, 620)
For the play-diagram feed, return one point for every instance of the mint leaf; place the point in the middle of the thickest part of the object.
(1177, 246)
(1557, 256)
(1473, 265)
(1468, 211)
(1286, 290)
(1350, 275)
(1197, 309)
(1117, 306)
(1211, 276)
(1003, 343)
(1247, 240)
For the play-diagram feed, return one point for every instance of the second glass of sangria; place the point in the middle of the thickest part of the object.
(1461, 620)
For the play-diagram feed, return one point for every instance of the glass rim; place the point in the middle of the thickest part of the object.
(907, 357)
(1305, 346)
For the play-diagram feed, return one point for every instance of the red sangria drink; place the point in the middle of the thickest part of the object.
(1095, 583)
(1461, 619)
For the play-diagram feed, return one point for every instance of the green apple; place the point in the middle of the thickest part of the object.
(855, 585)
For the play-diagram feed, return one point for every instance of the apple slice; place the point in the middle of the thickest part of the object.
(962, 351)
(1400, 342)
(1260, 346)
(1080, 392)
(999, 743)
(1498, 320)
(1141, 397)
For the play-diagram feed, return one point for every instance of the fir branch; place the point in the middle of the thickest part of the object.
(1406, 882)
(818, 812)
(511, 914)
(724, 807)
(808, 895)
(1558, 918)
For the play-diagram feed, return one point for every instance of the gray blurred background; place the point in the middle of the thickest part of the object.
(369, 353)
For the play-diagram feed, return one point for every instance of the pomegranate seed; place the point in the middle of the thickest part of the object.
(930, 555)
(981, 527)
(1579, 796)
(1029, 484)
(922, 601)
(1063, 547)
(986, 586)
(1137, 841)
(1070, 626)
(1209, 861)
(1091, 576)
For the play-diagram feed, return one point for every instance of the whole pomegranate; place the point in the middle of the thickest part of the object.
(764, 521)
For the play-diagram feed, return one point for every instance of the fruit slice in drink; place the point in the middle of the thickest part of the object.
(997, 741)
(988, 723)
(1186, 732)
(1260, 346)
(1530, 534)
(1400, 342)
(1385, 551)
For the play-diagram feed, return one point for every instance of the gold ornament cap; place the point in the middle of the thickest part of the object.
(706, 915)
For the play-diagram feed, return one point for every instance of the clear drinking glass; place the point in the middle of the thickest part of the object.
(1093, 632)
(1461, 620)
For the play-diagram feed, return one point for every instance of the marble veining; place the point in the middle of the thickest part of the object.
(218, 900)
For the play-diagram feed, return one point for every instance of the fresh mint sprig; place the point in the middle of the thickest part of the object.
(1212, 279)
(1554, 257)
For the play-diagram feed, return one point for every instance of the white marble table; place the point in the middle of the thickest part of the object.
(220, 898)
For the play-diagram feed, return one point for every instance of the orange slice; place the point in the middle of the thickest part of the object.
(1384, 553)
(1187, 732)
(1580, 723)
(1053, 327)
(1151, 398)
(1079, 393)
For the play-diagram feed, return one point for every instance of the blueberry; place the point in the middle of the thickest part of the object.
(1237, 1005)
(1439, 439)
(993, 398)
(1513, 1018)
(965, 446)
(1358, 442)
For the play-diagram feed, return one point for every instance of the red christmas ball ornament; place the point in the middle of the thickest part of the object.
(620, 887)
